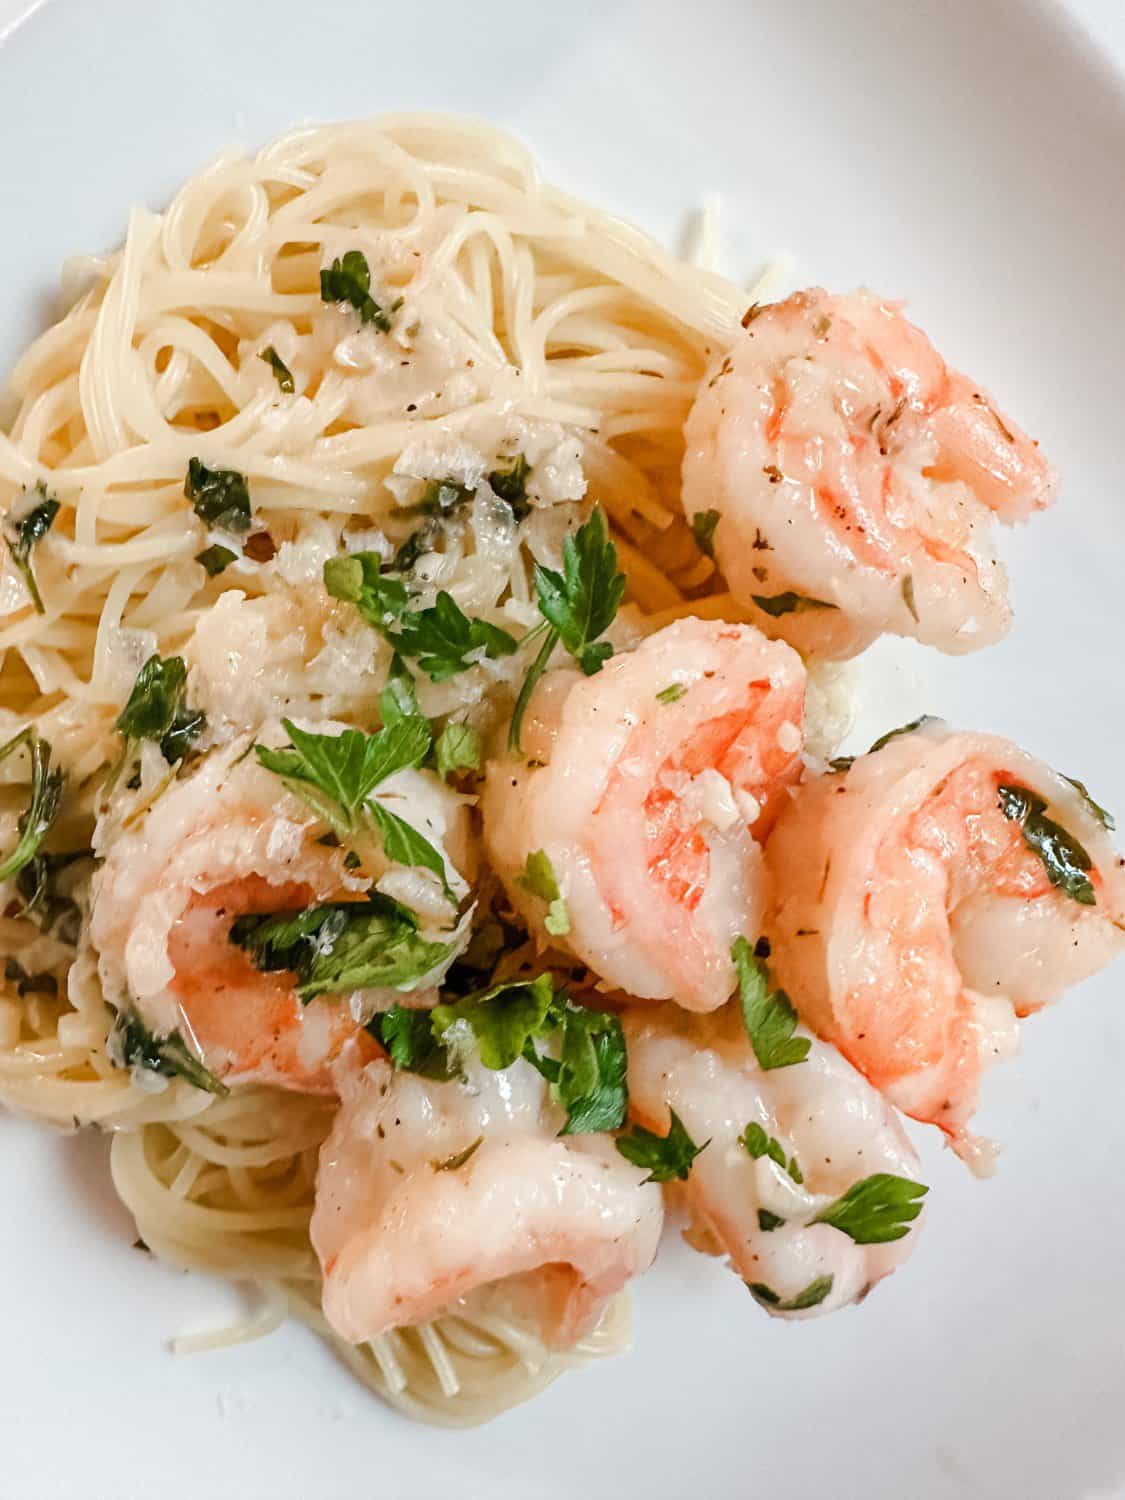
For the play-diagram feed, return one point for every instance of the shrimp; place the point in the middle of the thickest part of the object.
(645, 790)
(943, 886)
(829, 1127)
(855, 478)
(429, 1193)
(225, 840)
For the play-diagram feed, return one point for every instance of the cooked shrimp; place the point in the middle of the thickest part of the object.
(225, 840)
(429, 1192)
(916, 915)
(833, 1130)
(856, 478)
(645, 787)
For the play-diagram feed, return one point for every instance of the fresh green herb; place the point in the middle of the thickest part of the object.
(335, 774)
(29, 984)
(23, 534)
(358, 579)
(442, 637)
(39, 885)
(666, 1156)
(876, 1210)
(788, 604)
(399, 698)
(590, 1083)
(812, 1296)
(539, 878)
(1063, 857)
(219, 497)
(404, 845)
(893, 734)
(215, 559)
(1106, 819)
(672, 693)
(441, 496)
(342, 945)
(768, 1221)
(503, 1019)
(43, 802)
(417, 544)
(452, 1163)
(579, 604)
(408, 1038)
(137, 1047)
(908, 594)
(156, 709)
(349, 280)
(280, 369)
(759, 1144)
(511, 486)
(458, 749)
(703, 525)
(769, 1016)
(841, 763)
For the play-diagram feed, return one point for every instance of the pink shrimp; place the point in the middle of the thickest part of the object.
(855, 478)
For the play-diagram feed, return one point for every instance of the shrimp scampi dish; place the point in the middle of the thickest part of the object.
(425, 845)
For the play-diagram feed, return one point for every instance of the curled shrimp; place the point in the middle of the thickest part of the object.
(829, 1131)
(856, 477)
(429, 1193)
(644, 789)
(944, 885)
(225, 840)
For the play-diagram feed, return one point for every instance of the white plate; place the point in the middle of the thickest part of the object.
(966, 156)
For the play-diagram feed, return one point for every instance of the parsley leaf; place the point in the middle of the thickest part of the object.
(590, 1084)
(280, 369)
(404, 845)
(578, 604)
(758, 1144)
(156, 710)
(336, 773)
(358, 579)
(342, 945)
(348, 280)
(47, 896)
(1062, 856)
(788, 604)
(442, 636)
(458, 749)
(893, 734)
(42, 809)
(408, 1038)
(137, 1047)
(666, 1156)
(703, 525)
(511, 486)
(1106, 819)
(769, 1016)
(219, 497)
(452, 1163)
(876, 1210)
(581, 602)
(672, 693)
(22, 535)
(539, 878)
(503, 1019)
(399, 698)
(768, 1221)
(215, 559)
(812, 1296)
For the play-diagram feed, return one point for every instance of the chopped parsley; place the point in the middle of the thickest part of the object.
(1106, 819)
(703, 525)
(219, 497)
(407, 1037)
(45, 900)
(135, 1046)
(452, 1163)
(667, 1157)
(280, 369)
(788, 604)
(893, 734)
(442, 496)
(399, 698)
(1063, 857)
(348, 280)
(578, 604)
(215, 559)
(43, 802)
(341, 946)
(503, 1019)
(23, 534)
(768, 1221)
(511, 486)
(758, 1144)
(539, 878)
(769, 1016)
(458, 748)
(156, 709)
(812, 1296)
(672, 693)
(878, 1209)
